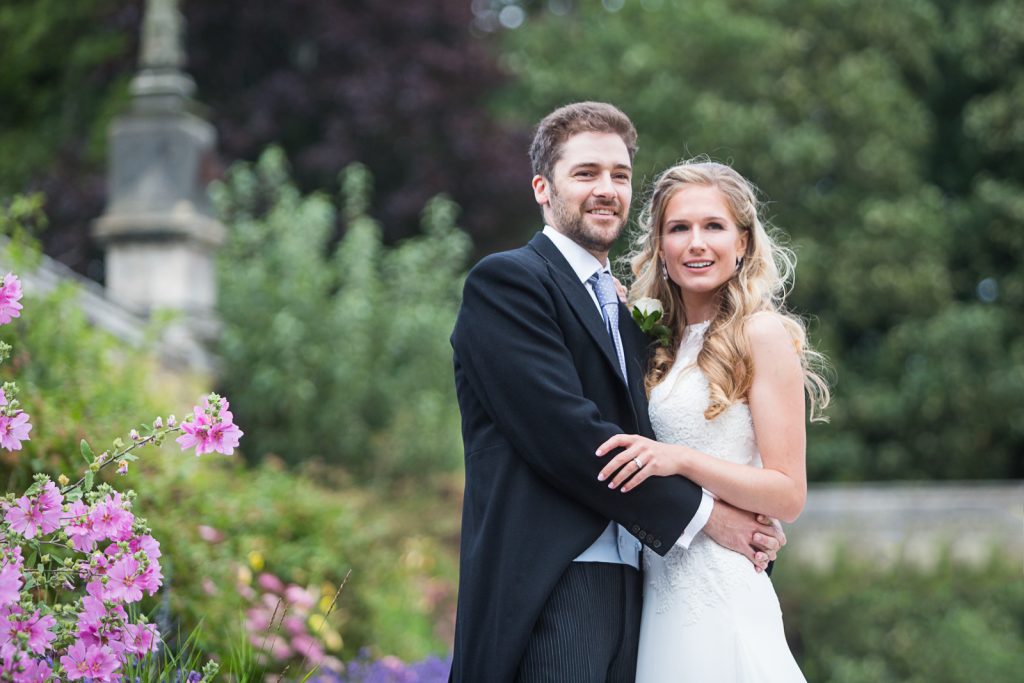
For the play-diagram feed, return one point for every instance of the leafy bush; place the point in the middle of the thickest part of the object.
(855, 624)
(338, 352)
(225, 526)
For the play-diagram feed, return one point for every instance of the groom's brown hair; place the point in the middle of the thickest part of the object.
(579, 117)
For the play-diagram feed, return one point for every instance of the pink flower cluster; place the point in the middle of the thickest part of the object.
(114, 576)
(278, 622)
(10, 296)
(14, 424)
(91, 539)
(210, 428)
(14, 427)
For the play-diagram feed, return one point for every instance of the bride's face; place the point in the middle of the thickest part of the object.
(700, 240)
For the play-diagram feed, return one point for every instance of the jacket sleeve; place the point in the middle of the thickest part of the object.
(512, 351)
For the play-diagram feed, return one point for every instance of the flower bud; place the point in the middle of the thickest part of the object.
(122, 467)
(118, 444)
(158, 423)
(648, 305)
(171, 421)
(63, 480)
(133, 435)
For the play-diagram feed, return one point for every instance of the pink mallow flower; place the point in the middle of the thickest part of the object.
(94, 661)
(41, 514)
(110, 519)
(208, 434)
(79, 527)
(10, 295)
(36, 627)
(26, 670)
(141, 639)
(122, 581)
(13, 430)
(10, 585)
(99, 622)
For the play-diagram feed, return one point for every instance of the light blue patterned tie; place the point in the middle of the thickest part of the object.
(604, 288)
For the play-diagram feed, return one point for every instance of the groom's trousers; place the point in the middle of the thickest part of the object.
(589, 628)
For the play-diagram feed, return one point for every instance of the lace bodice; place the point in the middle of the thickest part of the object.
(709, 573)
(677, 409)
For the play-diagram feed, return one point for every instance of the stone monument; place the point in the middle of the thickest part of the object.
(158, 229)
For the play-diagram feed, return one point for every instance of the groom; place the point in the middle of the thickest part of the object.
(547, 367)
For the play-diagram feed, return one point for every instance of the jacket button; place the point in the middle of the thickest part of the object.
(656, 544)
(643, 535)
(636, 528)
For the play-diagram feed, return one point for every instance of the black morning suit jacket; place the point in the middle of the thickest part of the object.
(539, 387)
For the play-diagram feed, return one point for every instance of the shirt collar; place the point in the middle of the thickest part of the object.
(582, 262)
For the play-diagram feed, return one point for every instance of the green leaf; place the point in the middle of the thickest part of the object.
(87, 452)
(87, 481)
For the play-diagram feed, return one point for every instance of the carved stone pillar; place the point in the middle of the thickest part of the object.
(158, 229)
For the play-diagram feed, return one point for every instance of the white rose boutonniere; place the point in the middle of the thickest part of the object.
(646, 313)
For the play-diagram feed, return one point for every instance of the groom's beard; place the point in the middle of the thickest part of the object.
(574, 223)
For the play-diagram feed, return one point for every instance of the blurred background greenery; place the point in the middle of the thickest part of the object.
(372, 151)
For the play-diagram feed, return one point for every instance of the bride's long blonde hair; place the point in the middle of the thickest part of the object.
(761, 283)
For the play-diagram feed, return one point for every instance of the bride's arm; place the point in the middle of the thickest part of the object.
(776, 401)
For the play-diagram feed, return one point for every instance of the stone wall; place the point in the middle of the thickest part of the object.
(916, 523)
(176, 348)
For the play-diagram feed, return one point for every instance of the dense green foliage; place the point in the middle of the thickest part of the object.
(65, 75)
(338, 351)
(888, 138)
(853, 624)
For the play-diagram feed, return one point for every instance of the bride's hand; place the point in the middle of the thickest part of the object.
(621, 290)
(641, 459)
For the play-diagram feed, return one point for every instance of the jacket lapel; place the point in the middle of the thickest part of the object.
(636, 346)
(579, 300)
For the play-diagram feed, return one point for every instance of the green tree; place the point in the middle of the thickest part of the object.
(339, 351)
(888, 139)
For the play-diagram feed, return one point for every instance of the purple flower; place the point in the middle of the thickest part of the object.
(389, 670)
(10, 295)
(13, 430)
(30, 516)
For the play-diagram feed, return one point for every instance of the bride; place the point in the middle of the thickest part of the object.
(727, 405)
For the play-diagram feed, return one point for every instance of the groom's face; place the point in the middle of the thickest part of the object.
(587, 198)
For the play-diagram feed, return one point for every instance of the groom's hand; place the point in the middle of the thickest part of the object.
(756, 537)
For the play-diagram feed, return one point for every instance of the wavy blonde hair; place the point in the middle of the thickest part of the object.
(761, 283)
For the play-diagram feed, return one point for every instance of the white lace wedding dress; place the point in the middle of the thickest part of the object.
(708, 617)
